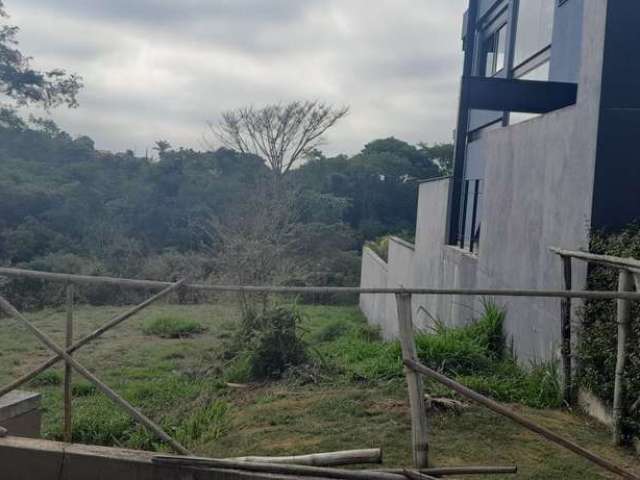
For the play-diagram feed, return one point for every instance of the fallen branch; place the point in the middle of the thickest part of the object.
(347, 457)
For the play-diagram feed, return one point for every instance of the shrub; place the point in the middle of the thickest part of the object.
(47, 378)
(83, 389)
(598, 345)
(172, 327)
(269, 343)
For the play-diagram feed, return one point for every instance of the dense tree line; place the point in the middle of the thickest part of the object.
(268, 207)
(59, 195)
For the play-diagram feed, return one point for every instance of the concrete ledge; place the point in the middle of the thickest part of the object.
(375, 257)
(31, 459)
(17, 403)
(20, 413)
(402, 242)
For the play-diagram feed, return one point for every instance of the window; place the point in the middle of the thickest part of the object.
(534, 28)
(494, 52)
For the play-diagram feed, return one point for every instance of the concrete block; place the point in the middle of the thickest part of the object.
(20, 413)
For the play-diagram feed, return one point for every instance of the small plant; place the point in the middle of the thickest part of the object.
(172, 327)
(380, 247)
(47, 378)
(83, 389)
(208, 423)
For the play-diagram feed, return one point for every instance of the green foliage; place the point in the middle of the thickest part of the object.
(598, 346)
(172, 327)
(206, 424)
(268, 343)
(475, 355)
(83, 389)
(47, 378)
(380, 247)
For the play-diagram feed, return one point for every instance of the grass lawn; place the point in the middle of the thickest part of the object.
(180, 383)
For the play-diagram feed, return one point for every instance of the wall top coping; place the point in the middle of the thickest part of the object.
(374, 256)
(435, 179)
(402, 242)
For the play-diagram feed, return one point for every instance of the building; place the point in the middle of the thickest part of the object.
(545, 152)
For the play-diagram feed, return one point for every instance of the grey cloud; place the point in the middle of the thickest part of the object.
(160, 69)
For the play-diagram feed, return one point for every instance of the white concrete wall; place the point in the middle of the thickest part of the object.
(373, 275)
(538, 193)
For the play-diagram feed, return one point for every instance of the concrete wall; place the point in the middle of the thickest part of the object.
(381, 310)
(400, 275)
(538, 193)
(29, 459)
(373, 274)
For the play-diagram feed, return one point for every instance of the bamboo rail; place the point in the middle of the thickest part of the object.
(521, 420)
(276, 468)
(153, 284)
(118, 319)
(156, 429)
(325, 459)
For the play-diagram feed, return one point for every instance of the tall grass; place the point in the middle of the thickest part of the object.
(475, 354)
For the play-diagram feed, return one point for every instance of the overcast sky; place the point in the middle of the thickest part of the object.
(161, 69)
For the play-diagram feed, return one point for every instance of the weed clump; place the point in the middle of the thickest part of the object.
(47, 378)
(268, 344)
(172, 327)
(475, 354)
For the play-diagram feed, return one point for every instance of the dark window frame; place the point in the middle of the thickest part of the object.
(491, 45)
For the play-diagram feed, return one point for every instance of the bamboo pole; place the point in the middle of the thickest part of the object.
(625, 284)
(276, 468)
(470, 470)
(611, 261)
(117, 399)
(416, 475)
(414, 384)
(67, 367)
(151, 284)
(325, 459)
(519, 419)
(88, 338)
(565, 326)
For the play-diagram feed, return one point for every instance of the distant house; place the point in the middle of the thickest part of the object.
(546, 150)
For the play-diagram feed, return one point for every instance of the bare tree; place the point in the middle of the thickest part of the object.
(282, 134)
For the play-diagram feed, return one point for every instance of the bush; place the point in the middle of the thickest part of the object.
(172, 327)
(269, 343)
(598, 346)
(47, 378)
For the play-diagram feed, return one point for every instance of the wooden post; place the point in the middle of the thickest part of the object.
(625, 284)
(414, 383)
(566, 333)
(67, 367)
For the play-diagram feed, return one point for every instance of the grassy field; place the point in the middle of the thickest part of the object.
(357, 401)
